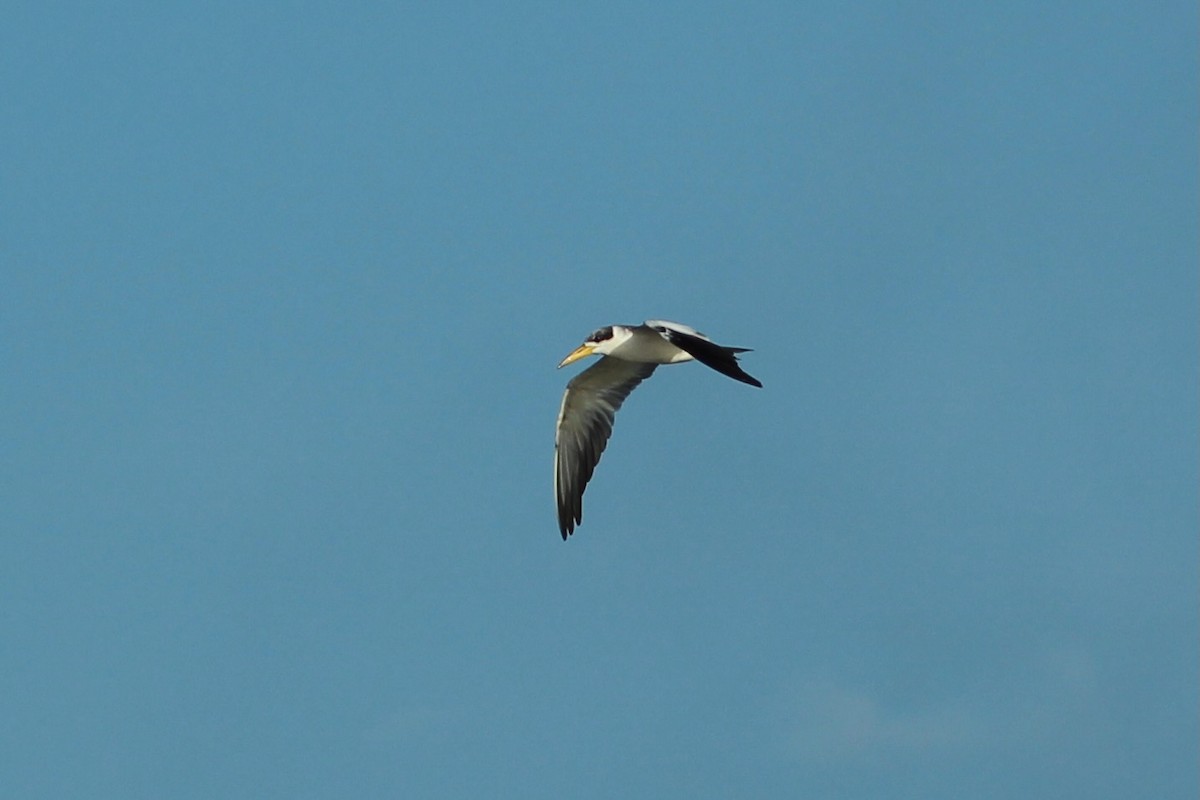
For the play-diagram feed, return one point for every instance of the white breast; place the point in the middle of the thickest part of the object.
(648, 347)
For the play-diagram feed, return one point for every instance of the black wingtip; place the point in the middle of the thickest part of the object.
(567, 522)
(733, 369)
(723, 359)
(739, 374)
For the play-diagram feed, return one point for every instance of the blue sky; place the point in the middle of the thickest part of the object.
(283, 291)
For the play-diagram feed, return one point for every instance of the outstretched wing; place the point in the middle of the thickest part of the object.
(585, 422)
(700, 347)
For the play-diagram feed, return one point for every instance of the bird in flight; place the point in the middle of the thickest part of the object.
(589, 406)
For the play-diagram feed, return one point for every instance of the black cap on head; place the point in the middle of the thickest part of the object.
(601, 335)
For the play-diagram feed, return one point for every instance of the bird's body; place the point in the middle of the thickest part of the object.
(630, 353)
(642, 344)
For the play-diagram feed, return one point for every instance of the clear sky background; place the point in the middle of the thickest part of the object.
(283, 290)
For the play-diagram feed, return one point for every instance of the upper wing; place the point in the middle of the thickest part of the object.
(704, 350)
(585, 422)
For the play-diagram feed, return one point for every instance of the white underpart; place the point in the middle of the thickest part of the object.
(644, 344)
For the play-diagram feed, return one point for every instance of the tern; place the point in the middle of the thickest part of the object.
(589, 406)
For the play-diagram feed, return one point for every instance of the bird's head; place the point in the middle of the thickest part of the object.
(599, 343)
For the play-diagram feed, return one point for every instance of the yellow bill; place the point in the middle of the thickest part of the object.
(583, 351)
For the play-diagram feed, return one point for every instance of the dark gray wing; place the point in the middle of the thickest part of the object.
(585, 422)
(722, 359)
